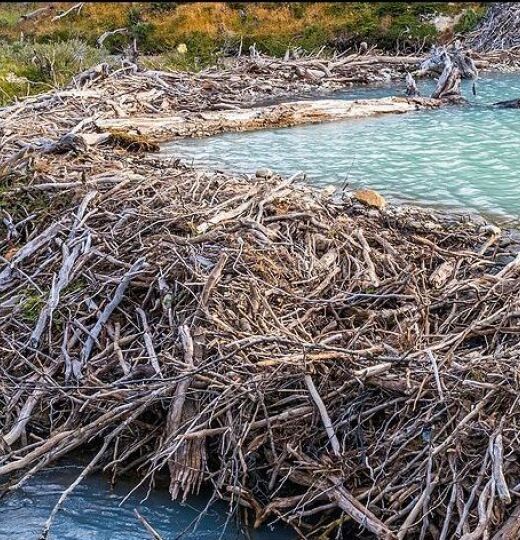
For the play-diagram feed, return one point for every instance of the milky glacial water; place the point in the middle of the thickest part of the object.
(95, 512)
(463, 157)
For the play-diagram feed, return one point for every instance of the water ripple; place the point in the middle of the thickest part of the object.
(466, 157)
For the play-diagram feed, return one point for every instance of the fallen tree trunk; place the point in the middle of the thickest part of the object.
(453, 64)
(282, 115)
(509, 104)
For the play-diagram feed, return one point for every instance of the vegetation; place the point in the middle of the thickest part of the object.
(470, 19)
(26, 68)
(44, 50)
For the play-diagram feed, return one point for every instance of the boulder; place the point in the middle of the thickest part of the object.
(264, 172)
(370, 198)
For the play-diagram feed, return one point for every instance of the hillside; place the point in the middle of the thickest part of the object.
(273, 26)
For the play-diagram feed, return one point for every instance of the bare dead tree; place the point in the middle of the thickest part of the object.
(499, 30)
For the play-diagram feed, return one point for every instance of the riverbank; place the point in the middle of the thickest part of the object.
(312, 357)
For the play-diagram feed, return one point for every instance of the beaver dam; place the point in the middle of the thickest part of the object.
(319, 359)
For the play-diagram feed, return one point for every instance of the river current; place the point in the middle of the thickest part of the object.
(95, 511)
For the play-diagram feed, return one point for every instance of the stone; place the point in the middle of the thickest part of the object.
(491, 229)
(264, 172)
(370, 198)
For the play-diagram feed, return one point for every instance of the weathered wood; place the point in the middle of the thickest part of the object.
(110, 307)
(267, 276)
(508, 104)
(75, 8)
(286, 114)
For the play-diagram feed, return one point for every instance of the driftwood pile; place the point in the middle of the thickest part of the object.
(499, 30)
(251, 80)
(314, 360)
(452, 64)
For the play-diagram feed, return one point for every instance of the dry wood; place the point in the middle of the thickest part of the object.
(406, 422)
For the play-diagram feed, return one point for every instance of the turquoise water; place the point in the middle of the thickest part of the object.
(94, 512)
(464, 157)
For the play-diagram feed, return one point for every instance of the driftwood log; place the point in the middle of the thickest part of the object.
(282, 115)
(509, 104)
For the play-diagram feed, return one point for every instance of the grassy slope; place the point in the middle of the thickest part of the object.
(272, 25)
(206, 28)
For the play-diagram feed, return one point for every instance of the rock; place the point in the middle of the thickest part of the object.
(370, 198)
(445, 23)
(431, 226)
(264, 172)
(93, 139)
(441, 274)
(315, 74)
(424, 226)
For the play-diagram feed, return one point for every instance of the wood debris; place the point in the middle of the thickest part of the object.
(312, 360)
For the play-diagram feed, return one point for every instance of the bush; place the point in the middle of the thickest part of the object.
(313, 37)
(432, 8)
(140, 30)
(57, 62)
(201, 52)
(162, 7)
(30, 68)
(393, 9)
(237, 5)
(298, 9)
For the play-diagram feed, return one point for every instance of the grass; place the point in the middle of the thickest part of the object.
(207, 26)
(30, 68)
(31, 307)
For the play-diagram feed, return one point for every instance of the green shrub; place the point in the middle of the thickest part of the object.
(393, 9)
(298, 9)
(406, 31)
(237, 5)
(162, 7)
(140, 30)
(269, 44)
(27, 68)
(313, 37)
(432, 8)
(202, 50)
(469, 20)
(335, 9)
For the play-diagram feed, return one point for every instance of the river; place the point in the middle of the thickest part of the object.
(460, 157)
(94, 511)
